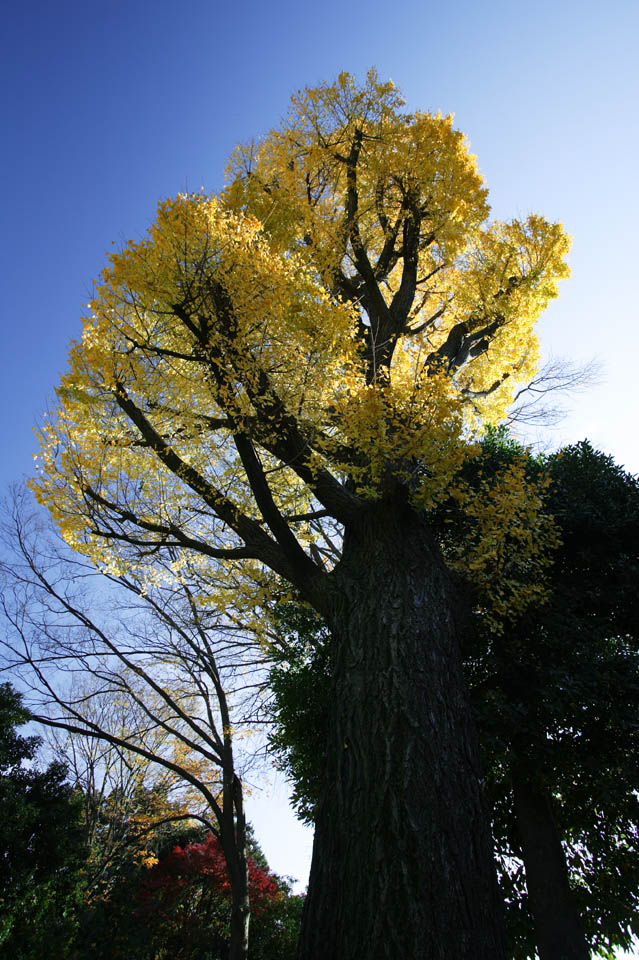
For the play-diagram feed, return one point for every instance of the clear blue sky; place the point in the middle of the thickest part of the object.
(110, 107)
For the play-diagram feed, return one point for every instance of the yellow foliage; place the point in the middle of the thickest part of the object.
(343, 306)
(508, 545)
(149, 861)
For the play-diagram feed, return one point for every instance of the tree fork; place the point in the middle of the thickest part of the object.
(402, 859)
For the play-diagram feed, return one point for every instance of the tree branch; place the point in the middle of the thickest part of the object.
(247, 529)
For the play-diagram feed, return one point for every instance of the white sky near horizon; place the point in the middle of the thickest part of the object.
(108, 109)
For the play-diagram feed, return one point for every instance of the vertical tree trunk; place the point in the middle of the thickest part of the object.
(240, 916)
(558, 929)
(234, 846)
(402, 860)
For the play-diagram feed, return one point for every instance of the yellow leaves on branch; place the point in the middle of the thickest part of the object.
(260, 313)
(407, 432)
(279, 316)
(512, 271)
(509, 544)
(295, 180)
(281, 325)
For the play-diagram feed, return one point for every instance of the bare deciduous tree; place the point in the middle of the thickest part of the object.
(141, 672)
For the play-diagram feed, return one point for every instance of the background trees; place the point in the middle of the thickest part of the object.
(152, 681)
(41, 839)
(109, 873)
(183, 899)
(558, 695)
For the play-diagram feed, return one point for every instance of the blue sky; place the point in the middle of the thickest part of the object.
(109, 108)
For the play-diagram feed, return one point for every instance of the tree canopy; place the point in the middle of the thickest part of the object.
(302, 364)
(323, 330)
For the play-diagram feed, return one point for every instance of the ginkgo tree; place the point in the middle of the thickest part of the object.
(300, 364)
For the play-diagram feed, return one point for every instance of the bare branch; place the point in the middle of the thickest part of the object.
(559, 376)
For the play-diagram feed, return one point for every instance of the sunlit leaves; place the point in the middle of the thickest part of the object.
(508, 545)
(344, 308)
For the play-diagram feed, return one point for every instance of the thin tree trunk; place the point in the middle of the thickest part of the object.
(402, 860)
(234, 846)
(240, 916)
(559, 932)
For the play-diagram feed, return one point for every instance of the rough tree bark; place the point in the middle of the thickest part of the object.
(402, 861)
(558, 929)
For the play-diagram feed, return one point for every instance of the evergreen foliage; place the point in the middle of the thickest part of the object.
(42, 843)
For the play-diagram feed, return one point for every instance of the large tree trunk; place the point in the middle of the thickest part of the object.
(402, 860)
(558, 929)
